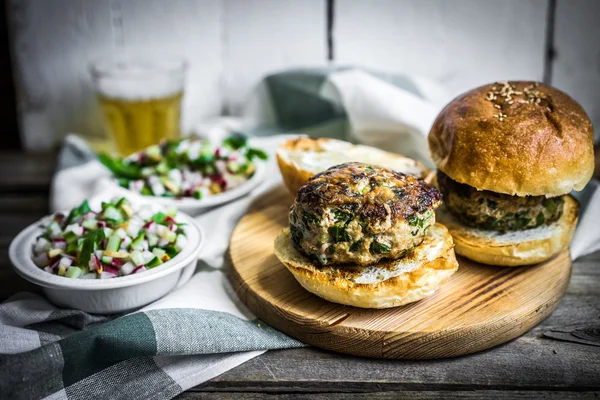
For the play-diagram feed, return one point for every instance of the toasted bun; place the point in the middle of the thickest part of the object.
(300, 159)
(513, 249)
(541, 145)
(382, 285)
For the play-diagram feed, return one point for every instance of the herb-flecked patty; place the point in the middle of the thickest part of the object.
(497, 211)
(361, 213)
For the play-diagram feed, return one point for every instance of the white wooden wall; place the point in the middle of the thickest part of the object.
(232, 44)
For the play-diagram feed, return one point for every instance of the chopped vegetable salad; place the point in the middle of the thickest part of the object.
(115, 241)
(191, 167)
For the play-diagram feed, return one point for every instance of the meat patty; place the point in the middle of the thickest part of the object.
(497, 211)
(360, 213)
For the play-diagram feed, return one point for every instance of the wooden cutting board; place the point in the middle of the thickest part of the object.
(478, 308)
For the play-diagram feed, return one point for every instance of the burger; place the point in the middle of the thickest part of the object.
(366, 236)
(508, 155)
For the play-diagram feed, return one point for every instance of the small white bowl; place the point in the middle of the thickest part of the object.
(108, 296)
(193, 206)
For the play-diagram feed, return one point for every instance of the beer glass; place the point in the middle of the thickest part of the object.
(140, 99)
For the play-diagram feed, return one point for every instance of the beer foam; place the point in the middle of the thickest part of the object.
(138, 89)
(136, 82)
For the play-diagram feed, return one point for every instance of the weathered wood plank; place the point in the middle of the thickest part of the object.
(264, 36)
(576, 67)
(532, 364)
(24, 203)
(461, 44)
(26, 172)
(541, 364)
(425, 394)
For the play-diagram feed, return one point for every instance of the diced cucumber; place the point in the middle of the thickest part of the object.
(74, 272)
(158, 252)
(89, 224)
(107, 259)
(120, 202)
(170, 236)
(155, 262)
(153, 152)
(114, 243)
(108, 231)
(54, 229)
(162, 168)
(171, 251)
(138, 242)
(152, 240)
(171, 211)
(137, 258)
(112, 213)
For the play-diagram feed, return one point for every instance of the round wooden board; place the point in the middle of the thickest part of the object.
(478, 308)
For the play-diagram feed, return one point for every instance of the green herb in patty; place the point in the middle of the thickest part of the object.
(379, 248)
(338, 234)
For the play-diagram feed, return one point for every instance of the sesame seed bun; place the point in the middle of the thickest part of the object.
(385, 284)
(517, 138)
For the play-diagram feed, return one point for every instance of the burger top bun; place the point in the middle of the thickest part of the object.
(517, 138)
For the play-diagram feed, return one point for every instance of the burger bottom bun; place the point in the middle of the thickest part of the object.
(388, 283)
(513, 248)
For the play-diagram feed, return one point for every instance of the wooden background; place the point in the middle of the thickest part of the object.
(232, 44)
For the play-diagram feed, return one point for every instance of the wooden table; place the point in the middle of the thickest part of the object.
(531, 366)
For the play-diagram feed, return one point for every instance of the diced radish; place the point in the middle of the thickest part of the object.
(41, 260)
(59, 244)
(94, 262)
(126, 242)
(127, 268)
(121, 233)
(148, 256)
(99, 253)
(67, 262)
(107, 275)
(160, 230)
(180, 242)
(133, 229)
(91, 275)
(117, 263)
(42, 245)
(102, 224)
(141, 268)
(75, 228)
(149, 225)
(109, 269)
(163, 243)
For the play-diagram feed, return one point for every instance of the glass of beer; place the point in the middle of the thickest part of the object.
(140, 99)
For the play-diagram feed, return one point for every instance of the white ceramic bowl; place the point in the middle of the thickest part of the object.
(193, 206)
(108, 296)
